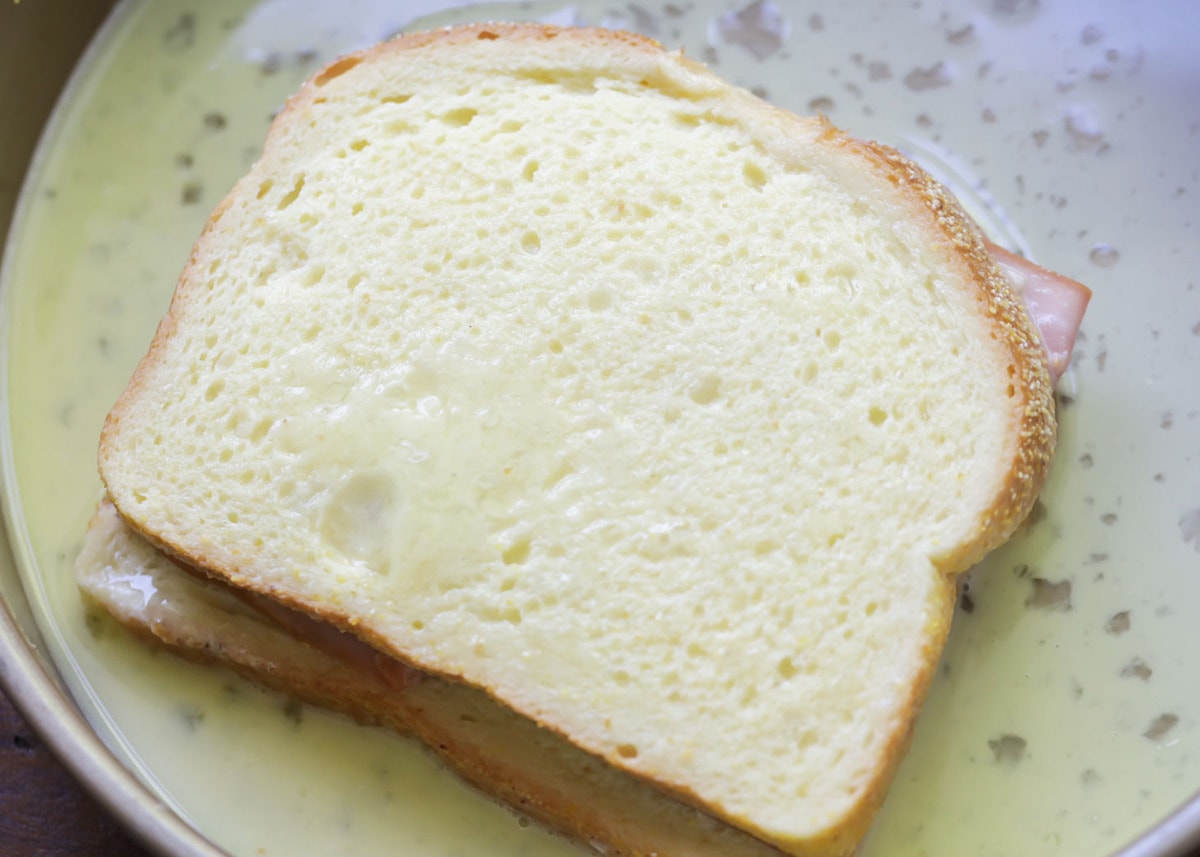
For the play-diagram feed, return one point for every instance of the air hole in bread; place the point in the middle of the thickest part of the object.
(877, 416)
(531, 242)
(214, 390)
(359, 145)
(293, 194)
(766, 546)
(786, 668)
(529, 171)
(336, 70)
(509, 614)
(314, 275)
(265, 188)
(754, 175)
(395, 99)
(599, 299)
(516, 553)
(832, 339)
(460, 117)
(705, 390)
(627, 751)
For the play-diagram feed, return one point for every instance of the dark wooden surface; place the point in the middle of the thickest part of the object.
(43, 811)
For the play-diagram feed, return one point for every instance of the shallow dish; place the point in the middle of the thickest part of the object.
(1064, 719)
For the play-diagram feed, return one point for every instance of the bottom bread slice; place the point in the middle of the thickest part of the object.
(507, 756)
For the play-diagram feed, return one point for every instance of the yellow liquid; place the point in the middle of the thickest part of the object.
(1033, 742)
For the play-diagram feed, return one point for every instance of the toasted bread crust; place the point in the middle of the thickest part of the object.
(1035, 433)
(1030, 440)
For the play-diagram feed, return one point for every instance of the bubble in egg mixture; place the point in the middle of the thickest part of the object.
(1104, 255)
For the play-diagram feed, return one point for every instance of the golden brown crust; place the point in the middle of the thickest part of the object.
(1035, 428)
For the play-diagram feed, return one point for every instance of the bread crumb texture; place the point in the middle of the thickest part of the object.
(547, 360)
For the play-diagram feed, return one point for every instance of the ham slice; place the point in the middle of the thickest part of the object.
(1056, 304)
(326, 638)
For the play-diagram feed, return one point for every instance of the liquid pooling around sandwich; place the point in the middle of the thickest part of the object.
(1042, 670)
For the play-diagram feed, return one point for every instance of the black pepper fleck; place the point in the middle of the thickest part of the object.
(1161, 725)
(1117, 624)
(1053, 595)
(191, 193)
(271, 64)
(215, 120)
(1008, 748)
(1137, 668)
(961, 35)
(180, 35)
(192, 716)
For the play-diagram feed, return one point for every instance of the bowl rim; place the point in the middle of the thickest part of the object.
(41, 700)
(34, 686)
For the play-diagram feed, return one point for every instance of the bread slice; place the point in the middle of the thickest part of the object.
(533, 770)
(547, 361)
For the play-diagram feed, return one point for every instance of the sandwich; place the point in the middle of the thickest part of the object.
(541, 373)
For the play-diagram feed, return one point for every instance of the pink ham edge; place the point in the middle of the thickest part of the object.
(1055, 303)
(331, 640)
